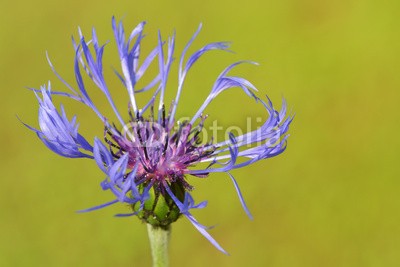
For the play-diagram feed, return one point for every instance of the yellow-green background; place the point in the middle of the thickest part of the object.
(332, 199)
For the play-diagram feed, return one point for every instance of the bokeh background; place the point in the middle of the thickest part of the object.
(332, 199)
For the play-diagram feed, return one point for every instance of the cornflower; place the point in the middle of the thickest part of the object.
(147, 158)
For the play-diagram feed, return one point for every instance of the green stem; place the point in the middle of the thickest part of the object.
(159, 238)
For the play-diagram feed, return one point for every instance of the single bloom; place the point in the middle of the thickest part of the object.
(148, 157)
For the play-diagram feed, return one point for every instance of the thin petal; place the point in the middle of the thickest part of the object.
(240, 196)
(201, 229)
(99, 206)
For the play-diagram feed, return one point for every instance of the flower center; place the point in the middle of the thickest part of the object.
(160, 153)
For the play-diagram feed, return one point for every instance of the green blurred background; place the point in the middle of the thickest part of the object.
(332, 199)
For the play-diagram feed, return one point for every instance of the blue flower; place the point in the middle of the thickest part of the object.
(147, 158)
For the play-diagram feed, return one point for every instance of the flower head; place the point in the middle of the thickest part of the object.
(147, 158)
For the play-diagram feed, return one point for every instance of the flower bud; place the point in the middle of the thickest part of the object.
(159, 209)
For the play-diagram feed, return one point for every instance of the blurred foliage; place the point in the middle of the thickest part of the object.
(330, 200)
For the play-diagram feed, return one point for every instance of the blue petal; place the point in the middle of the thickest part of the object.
(240, 196)
(234, 152)
(212, 46)
(96, 71)
(102, 155)
(128, 56)
(125, 214)
(174, 198)
(223, 83)
(81, 85)
(57, 132)
(99, 206)
(118, 169)
(202, 230)
(59, 76)
(192, 59)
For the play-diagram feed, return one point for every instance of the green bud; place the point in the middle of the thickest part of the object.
(160, 210)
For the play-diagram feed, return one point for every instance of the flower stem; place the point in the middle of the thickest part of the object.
(159, 238)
